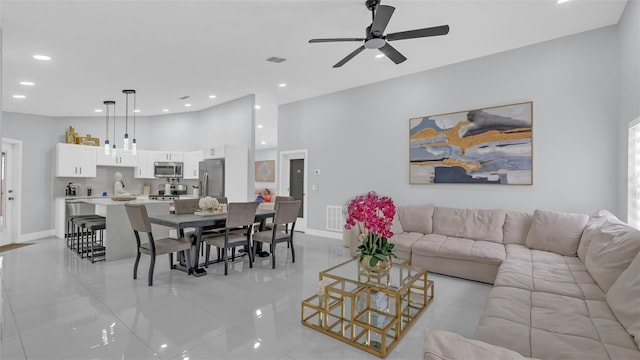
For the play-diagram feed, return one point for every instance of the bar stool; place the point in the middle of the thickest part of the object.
(74, 213)
(87, 235)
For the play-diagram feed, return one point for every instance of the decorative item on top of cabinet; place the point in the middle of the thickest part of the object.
(89, 140)
(72, 136)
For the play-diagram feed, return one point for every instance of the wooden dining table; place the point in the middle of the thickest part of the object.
(201, 223)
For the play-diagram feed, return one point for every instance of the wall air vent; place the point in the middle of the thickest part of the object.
(335, 221)
(275, 59)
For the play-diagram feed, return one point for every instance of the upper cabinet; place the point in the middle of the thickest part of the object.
(191, 164)
(75, 160)
(168, 156)
(214, 152)
(122, 158)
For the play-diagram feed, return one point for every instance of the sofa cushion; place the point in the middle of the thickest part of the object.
(556, 231)
(591, 230)
(624, 299)
(437, 245)
(444, 345)
(475, 224)
(516, 227)
(403, 242)
(416, 218)
(611, 251)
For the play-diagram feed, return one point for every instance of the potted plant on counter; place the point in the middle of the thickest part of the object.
(376, 214)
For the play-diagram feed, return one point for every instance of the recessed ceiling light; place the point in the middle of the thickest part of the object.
(379, 56)
(42, 57)
(263, 143)
(212, 96)
(257, 107)
(282, 85)
(19, 96)
(165, 110)
(27, 83)
(260, 126)
(136, 110)
(97, 110)
(187, 104)
(562, 1)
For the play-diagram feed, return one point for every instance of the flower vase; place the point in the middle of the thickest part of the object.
(380, 268)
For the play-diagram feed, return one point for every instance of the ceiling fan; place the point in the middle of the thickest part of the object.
(375, 39)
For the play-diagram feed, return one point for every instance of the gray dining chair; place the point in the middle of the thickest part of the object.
(239, 215)
(286, 214)
(139, 219)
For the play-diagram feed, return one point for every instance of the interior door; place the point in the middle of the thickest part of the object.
(296, 182)
(7, 196)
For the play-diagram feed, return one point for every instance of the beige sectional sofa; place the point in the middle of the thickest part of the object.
(566, 286)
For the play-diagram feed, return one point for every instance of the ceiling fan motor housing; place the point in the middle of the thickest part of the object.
(371, 4)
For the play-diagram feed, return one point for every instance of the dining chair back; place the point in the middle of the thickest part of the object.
(286, 215)
(237, 232)
(139, 220)
(185, 206)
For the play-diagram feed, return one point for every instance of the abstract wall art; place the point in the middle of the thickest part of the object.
(489, 146)
(266, 171)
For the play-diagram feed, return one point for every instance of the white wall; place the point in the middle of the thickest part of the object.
(358, 138)
(629, 37)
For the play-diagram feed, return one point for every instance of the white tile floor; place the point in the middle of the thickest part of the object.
(56, 305)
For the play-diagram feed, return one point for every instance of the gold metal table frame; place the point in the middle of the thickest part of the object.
(371, 311)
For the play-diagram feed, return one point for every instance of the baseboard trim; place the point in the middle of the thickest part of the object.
(323, 233)
(36, 235)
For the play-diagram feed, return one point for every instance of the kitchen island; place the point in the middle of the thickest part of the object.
(119, 239)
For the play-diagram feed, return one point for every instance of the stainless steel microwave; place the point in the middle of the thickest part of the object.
(167, 169)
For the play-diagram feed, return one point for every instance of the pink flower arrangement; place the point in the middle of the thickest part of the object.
(376, 214)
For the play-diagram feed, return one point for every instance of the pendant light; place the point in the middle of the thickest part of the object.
(126, 119)
(113, 146)
(107, 147)
(133, 145)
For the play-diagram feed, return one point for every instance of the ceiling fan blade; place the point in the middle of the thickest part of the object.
(349, 57)
(381, 19)
(335, 40)
(412, 34)
(392, 53)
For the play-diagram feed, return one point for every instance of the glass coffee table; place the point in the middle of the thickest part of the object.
(371, 311)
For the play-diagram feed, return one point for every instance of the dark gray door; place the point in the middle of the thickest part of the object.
(296, 182)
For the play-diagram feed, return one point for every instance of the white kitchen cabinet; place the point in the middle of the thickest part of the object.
(214, 152)
(168, 156)
(144, 168)
(122, 158)
(75, 160)
(191, 164)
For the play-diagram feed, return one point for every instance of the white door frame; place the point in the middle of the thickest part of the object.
(285, 156)
(14, 160)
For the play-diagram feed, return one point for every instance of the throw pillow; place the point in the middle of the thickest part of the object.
(558, 232)
(396, 225)
(416, 218)
(611, 251)
(516, 227)
(624, 299)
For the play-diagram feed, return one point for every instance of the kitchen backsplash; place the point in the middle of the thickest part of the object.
(103, 182)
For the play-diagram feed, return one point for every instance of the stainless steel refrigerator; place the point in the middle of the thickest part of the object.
(212, 177)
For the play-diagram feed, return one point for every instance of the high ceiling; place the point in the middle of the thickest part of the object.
(170, 49)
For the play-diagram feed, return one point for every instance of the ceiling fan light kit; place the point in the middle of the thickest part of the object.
(375, 38)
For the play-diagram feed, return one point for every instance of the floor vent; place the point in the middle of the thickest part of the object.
(334, 218)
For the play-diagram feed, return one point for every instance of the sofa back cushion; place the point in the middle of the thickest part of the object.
(555, 231)
(416, 218)
(623, 298)
(611, 251)
(516, 227)
(474, 224)
(592, 229)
